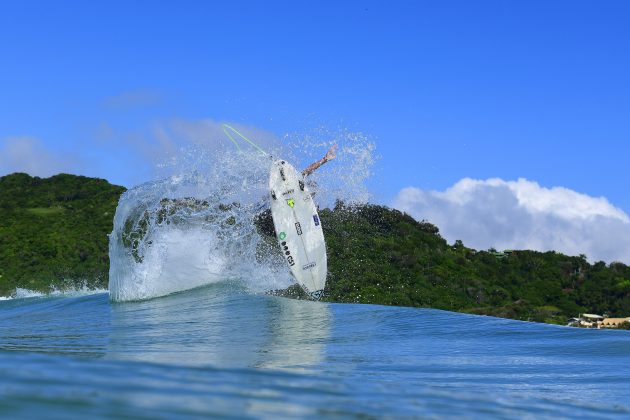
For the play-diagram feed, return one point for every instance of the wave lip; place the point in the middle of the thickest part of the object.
(194, 229)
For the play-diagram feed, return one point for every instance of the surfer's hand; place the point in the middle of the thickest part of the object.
(330, 155)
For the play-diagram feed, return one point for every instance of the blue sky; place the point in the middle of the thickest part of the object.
(447, 89)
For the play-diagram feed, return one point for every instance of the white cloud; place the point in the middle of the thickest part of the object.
(28, 154)
(523, 215)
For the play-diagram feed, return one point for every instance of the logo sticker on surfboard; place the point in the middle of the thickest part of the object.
(309, 266)
(282, 236)
(291, 202)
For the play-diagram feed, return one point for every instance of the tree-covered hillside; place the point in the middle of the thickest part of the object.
(379, 255)
(53, 232)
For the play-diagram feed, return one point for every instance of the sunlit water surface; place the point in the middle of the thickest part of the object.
(186, 328)
(219, 350)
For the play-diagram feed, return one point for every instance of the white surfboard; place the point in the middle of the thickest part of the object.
(298, 228)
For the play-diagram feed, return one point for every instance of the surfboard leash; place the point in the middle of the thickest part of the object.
(227, 127)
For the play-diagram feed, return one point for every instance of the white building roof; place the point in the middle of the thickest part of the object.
(592, 316)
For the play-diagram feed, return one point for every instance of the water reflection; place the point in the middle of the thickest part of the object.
(296, 334)
(218, 325)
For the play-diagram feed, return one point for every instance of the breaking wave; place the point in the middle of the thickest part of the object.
(198, 224)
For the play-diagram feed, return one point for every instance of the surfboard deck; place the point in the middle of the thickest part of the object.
(298, 228)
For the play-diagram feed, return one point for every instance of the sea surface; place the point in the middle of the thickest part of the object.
(221, 350)
(187, 330)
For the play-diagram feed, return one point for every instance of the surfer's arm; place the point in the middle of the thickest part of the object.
(330, 155)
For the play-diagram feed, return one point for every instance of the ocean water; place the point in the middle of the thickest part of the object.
(186, 328)
(220, 350)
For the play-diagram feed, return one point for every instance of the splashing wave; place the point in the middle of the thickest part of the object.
(197, 225)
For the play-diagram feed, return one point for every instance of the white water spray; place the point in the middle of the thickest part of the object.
(196, 226)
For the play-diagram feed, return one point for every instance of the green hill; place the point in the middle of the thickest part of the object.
(379, 255)
(53, 232)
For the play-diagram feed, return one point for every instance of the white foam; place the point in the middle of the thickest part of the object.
(184, 231)
(83, 290)
(25, 293)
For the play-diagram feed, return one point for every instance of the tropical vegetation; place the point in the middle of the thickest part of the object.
(53, 231)
(53, 234)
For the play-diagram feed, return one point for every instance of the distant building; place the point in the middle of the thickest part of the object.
(613, 322)
(586, 321)
(591, 320)
(596, 321)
